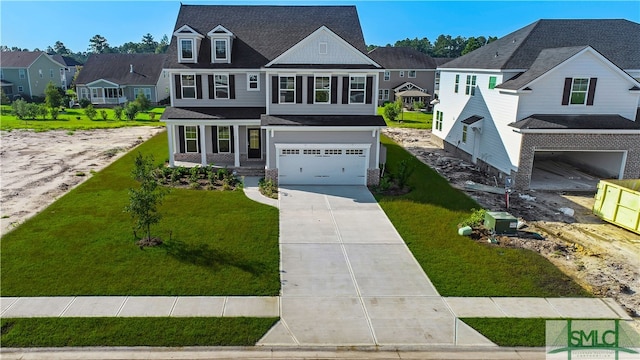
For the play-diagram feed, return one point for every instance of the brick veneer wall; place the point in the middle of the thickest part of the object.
(533, 142)
(373, 177)
(271, 174)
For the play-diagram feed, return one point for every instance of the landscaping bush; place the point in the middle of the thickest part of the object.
(268, 188)
(391, 111)
(475, 219)
(84, 103)
(417, 105)
(131, 110)
(90, 112)
(54, 113)
(117, 112)
(143, 103)
(37, 99)
(103, 114)
(4, 100)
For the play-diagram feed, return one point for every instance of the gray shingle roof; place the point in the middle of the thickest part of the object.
(65, 60)
(401, 58)
(263, 32)
(211, 113)
(18, 59)
(115, 68)
(322, 120)
(618, 40)
(600, 122)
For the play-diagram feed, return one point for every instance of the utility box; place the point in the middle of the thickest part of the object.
(618, 202)
(501, 223)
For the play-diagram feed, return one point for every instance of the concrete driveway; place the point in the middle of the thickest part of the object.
(348, 278)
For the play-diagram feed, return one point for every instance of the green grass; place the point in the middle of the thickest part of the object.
(216, 243)
(510, 331)
(409, 119)
(69, 120)
(58, 332)
(427, 220)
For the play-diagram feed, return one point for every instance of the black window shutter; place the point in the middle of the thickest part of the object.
(345, 90)
(181, 138)
(310, 90)
(592, 90)
(178, 87)
(334, 89)
(369, 91)
(232, 87)
(211, 90)
(567, 91)
(214, 138)
(199, 86)
(298, 89)
(231, 142)
(198, 137)
(274, 89)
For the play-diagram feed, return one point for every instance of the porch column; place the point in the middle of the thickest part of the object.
(236, 146)
(203, 145)
(171, 144)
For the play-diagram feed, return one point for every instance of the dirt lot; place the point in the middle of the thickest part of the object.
(39, 167)
(601, 257)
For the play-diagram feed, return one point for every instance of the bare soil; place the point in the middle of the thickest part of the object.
(39, 167)
(601, 257)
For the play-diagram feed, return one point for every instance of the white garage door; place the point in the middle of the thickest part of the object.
(322, 166)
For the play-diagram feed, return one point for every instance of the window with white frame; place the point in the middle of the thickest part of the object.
(438, 122)
(470, 89)
(61, 71)
(457, 84)
(464, 133)
(191, 139)
(21, 73)
(401, 73)
(412, 73)
(253, 82)
(51, 73)
(113, 93)
(96, 92)
(20, 89)
(579, 89)
(287, 89)
(145, 91)
(40, 73)
(220, 49)
(383, 94)
(356, 89)
(387, 75)
(437, 80)
(84, 93)
(221, 83)
(322, 90)
(224, 139)
(188, 82)
(186, 49)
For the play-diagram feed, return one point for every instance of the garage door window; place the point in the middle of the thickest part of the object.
(311, 152)
(290, 152)
(333, 152)
(354, 152)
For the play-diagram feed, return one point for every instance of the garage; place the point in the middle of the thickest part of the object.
(322, 164)
(575, 170)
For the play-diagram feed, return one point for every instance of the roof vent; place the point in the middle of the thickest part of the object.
(131, 68)
(514, 40)
(497, 54)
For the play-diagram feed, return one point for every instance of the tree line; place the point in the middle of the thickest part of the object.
(445, 46)
(98, 44)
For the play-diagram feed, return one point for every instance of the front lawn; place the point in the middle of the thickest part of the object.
(216, 242)
(427, 219)
(75, 119)
(409, 119)
(58, 332)
(511, 331)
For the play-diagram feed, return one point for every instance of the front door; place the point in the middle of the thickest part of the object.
(253, 139)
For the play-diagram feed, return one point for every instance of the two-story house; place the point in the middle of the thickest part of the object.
(407, 72)
(286, 88)
(114, 79)
(27, 73)
(555, 97)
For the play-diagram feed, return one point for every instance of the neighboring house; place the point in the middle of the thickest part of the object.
(436, 86)
(29, 72)
(113, 79)
(287, 89)
(554, 95)
(72, 66)
(407, 72)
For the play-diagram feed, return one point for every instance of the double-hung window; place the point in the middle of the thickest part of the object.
(287, 89)
(471, 85)
(383, 94)
(356, 89)
(492, 82)
(188, 86)
(457, 84)
(221, 83)
(191, 139)
(224, 139)
(186, 49)
(412, 73)
(145, 91)
(51, 73)
(322, 90)
(464, 133)
(21, 73)
(220, 49)
(579, 89)
(253, 82)
(387, 75)
(438, 122)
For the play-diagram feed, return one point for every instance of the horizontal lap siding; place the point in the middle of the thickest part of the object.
(243, 97)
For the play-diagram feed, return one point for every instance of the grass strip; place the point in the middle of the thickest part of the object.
(511, 331)
(164, 331)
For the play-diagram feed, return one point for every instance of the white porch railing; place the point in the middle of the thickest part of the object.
(105, 100)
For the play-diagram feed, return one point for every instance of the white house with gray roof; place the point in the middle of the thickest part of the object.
(553, 97)
(288, 90)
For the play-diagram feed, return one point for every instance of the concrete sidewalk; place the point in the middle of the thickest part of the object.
(251, 190)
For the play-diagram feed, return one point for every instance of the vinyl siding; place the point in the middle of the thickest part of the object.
(308, 51)
(424, 79)
(243, 98)
(13, 76)
(38, 84)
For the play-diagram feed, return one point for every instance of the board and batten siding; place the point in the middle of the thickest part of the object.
(243, 97)
(612, 94)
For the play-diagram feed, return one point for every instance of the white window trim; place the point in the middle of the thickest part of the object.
(414, 74)
(383, 94)
(364, 89)
(465, 134)
(470, 85)
(182, 86)
(146, 91)
(194, 54)
(456, 83)
(20, 88)
(401, 73)
(586, 92)
(22, 73)
(280, 89)
(186, 147)
(40, 73)
(228, 139)
(387, 75)
(249, 75)
(315, 89)
(216, 87)
(214, 55)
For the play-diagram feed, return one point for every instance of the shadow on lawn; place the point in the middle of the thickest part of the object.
(214, 259)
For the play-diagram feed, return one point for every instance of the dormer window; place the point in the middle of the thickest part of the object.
(220, 49)
(221, 43)
(188, 43)
(186, 49)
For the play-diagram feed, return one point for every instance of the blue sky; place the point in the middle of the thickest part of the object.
(31, 24)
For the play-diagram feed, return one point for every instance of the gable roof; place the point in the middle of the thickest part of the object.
(263, 32)
(401, 58)
(65, 60)
(602, 122)
(116, 69)
(19, 59)
(616, 39)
